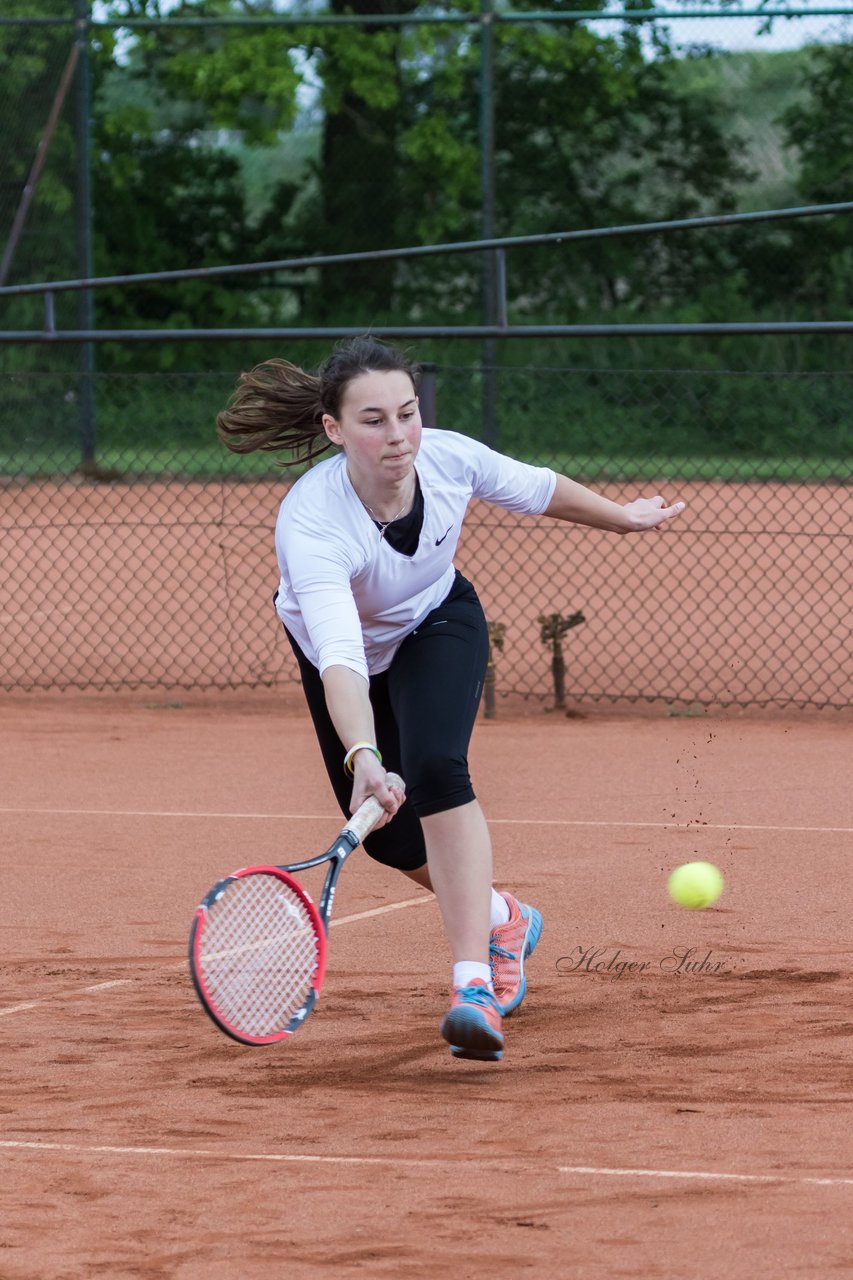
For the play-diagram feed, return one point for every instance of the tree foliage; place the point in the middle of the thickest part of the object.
(822, 132)
(221, 144)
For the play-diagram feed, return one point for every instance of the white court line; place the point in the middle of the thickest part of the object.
(33, 1004)
(19, 1008)
(381, 911)
(585, 1171)
(300, 934)
(420, 1162)
(492, 822)
(125, 982)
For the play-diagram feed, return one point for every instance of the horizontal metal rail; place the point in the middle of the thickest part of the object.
(434, 331)
(421, 251)
(420, 19)
(423, 19)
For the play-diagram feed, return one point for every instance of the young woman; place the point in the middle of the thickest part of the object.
(391, 640)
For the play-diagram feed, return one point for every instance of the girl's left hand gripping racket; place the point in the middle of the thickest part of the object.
(258, 943)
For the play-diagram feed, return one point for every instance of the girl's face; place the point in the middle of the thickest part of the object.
(379, 428)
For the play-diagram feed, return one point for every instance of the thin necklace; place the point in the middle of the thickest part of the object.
(383, 524)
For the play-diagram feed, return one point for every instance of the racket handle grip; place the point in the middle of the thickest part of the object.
(368, 814)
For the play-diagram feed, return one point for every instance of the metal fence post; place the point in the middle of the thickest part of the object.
(427, 395)
(488, 355)
(85, 304)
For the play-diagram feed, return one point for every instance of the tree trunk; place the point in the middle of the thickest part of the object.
(359, 189)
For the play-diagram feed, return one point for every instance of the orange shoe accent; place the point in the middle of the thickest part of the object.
(472, 1025)
(509, 946)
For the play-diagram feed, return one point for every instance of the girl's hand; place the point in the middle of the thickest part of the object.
(650, 513)
(370, 780)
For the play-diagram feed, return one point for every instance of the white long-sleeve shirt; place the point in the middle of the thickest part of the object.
(346, 596)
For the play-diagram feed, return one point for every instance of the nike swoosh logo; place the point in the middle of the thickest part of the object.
(439, 541)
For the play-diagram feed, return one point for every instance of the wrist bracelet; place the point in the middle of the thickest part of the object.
(359, 746)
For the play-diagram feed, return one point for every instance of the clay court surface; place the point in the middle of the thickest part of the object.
(675, 1100)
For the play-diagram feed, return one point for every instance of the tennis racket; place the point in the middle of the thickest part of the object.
(258, 943)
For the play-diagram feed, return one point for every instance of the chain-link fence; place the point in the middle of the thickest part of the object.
(158, 569)
(138, 553)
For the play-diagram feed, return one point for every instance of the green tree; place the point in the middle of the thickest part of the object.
(822, 130)
(358, 170)
(31, 65)
(591, 130)
(169, 189)
(32, 61)
(594, 132)
(804, 268)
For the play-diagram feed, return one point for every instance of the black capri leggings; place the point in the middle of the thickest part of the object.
(424, 708)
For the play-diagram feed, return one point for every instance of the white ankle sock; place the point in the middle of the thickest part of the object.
(499, 909)
(467, 971)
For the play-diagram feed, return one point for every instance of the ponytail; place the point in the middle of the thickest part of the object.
(278, 406)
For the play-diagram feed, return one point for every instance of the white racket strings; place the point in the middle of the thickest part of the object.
(259, 953)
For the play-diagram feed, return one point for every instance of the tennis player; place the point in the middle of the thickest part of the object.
(391, 639)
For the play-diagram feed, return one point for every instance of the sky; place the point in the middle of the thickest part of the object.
(738, 34)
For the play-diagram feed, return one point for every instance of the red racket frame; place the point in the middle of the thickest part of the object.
(196, 968)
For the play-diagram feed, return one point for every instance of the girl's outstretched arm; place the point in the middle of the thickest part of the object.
(574, 502)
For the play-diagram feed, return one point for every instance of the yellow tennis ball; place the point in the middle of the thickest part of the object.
(695, 885)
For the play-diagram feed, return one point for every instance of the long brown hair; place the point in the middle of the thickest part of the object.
(278, 406)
